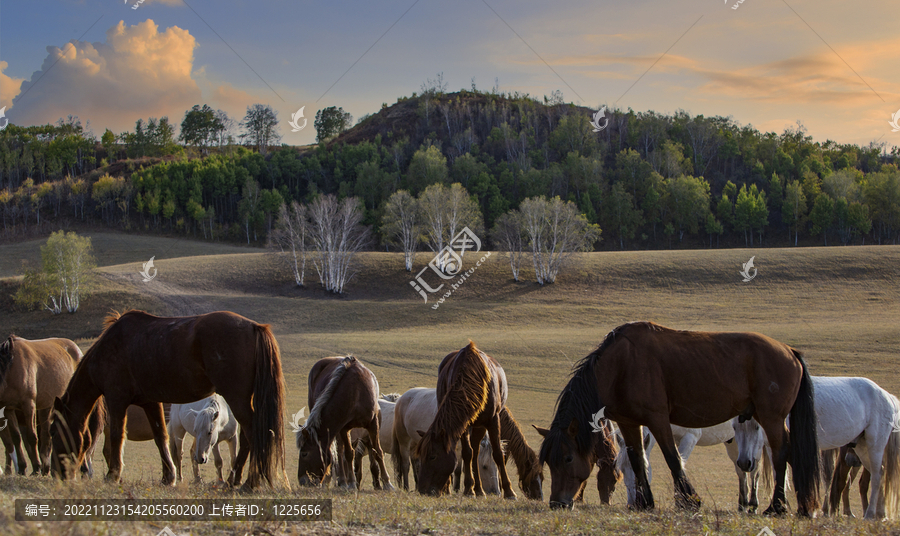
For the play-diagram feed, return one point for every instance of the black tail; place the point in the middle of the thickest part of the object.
(804, 445)
(267, 441)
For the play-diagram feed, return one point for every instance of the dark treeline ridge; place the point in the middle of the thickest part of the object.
(649, 180)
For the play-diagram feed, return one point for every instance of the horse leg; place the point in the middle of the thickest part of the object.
(875, 508)
(43, 424)
(346, 477)
(497, 448)
(112, 448)
(232, 451)
(826, 459)
(468, 480)
(634, 447)
(376, 455)
(685, 496)
(838, 487)
(743, 496)
(6, 437)
(217, 456)
(864, 487)
(157, 420)
(176, 444)
(357, 463)
(475, 436)
(777, 435)
(403, 465)
(29, 434)
(845, 496)
(194, 465)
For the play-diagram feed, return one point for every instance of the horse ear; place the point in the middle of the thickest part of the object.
(421, 433)
(542, 431)
(573, 429)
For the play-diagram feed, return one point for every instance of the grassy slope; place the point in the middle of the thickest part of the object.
(838, 305)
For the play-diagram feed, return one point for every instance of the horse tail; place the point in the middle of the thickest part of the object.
(267, 439)
(767, 468)
(804, 444)
(891, 476)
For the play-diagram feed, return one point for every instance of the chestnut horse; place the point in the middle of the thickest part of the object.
(643, 374)
(146, 360)
(472, 392)
(32, 375)
(604, 454)
(343, 395)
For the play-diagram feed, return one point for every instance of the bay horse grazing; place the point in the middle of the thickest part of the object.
(643, 374)
(362, 446)
(855, 410)
(32, 374)
(604, 454)
(343, 395)
(147, 360)
(415, 410)
(471, 393)
(211, 422)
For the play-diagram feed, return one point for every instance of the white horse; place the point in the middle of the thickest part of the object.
(211, 422)
(852, 410)
(687, 439)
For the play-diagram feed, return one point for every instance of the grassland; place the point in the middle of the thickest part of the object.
(838, 305)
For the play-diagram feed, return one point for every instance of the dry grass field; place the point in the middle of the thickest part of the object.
(840, 306)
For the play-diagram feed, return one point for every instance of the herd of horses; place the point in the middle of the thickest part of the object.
(218, 377)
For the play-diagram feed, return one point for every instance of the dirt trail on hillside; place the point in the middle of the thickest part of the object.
(180, 301)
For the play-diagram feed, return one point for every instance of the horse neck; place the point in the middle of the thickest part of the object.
(465, 397)
(523, 455)
(82, 395)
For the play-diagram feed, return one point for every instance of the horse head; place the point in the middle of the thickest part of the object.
(570, 463)
(438, 459)
(490, 480)
(315, 461)
(68, 442)
(750, 439)
(206, 427)
(608, 472)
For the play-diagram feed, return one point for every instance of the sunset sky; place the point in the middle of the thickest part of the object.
(833, 65)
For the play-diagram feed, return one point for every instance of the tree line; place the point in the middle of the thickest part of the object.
(649, 180)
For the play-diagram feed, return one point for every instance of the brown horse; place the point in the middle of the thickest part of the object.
(343, 395)
(531, 472)
(644, 374)
(137, 428)
(32, 375)
(146, 360)
(472, 392)
(359, 438)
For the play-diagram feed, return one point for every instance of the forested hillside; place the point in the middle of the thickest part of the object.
(649, 180)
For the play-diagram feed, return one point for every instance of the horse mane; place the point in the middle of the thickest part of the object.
(526, 460)
(315, 415)
(579, 400)
(391, 397)
(6, 355)
(464, 401)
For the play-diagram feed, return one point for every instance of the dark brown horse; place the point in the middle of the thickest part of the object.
(531, 472)
(644, 374)
(146, 360)
(32, 375)
(471, 393)
(343, 395)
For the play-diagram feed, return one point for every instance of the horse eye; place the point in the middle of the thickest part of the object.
(432, 457)
(304, 454)
(569, 459)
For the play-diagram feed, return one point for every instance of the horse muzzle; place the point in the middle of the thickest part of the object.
(560, 505)
(746, 465)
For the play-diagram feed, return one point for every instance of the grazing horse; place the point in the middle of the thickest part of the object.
(531, 472)
(359, 438)
(415, 410)
(146, 360)
(343, 395)
(210, 422)
(472, 392)
(689, 438)
(854, 410)
(137, 428)
(32, 375)
(604, 454)
(643, 374)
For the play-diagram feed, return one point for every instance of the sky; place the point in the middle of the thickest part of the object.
(832, 65)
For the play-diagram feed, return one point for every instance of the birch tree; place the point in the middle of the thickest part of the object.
(67, 263)
(508, 236)
(291, 238)
(555, 229)
(445, 212)
(337, 234)
(401, 225)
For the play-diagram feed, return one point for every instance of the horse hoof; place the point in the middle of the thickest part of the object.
(511, 497)
(774, 510)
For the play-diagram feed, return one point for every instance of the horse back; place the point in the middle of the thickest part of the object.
(40, 369)
(354, 401)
